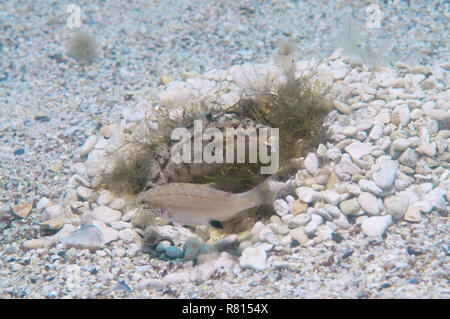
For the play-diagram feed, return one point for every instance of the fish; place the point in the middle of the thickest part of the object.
(199, 204)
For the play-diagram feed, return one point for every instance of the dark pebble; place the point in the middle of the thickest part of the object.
(337, 237)
(414, 281)
(20, 151)
(43, 118)
(413, 251)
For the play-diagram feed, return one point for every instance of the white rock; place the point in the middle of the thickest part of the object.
(428, 149)
(342, 222)
(104, 197)
(376, 132)
(369, 204)
(396, 205)
(311, 163)
(119, 225)
(333, 210)
(79, 168)
(385, 177)
(376, 226)
(88, 145)
(281, 207)
(316, 220)
(434, 199)
(118, 203)
(438, 114)
(346, 166)
(412, 214)
(253, 258)
(334, 154)
(400, 144)
(353, 189)
(369, 186)
(330, 197)
(408, 158)
(299, 235)
(109, 234)
(106, 214)
(357, 150)
(86, 194)
(299, 220)
(350, 207)
(43, 203)
(306, 194)
(401, 115)
(54, 211)
(128, 235)
(177, 94)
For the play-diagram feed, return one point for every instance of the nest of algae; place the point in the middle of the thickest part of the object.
(275, 97)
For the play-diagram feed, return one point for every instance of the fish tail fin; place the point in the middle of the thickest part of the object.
(268, 190)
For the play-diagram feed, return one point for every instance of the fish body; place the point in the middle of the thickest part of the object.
(195, 204)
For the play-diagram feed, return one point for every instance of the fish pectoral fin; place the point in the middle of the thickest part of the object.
(216, 224)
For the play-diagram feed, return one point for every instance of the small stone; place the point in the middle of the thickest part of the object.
(298, 207)
(33, 244)
(299, 220)
(306, 194)
(357, 150)
(369, 186)
(118, 203)
(119, 225)
(43, 203)
(88, 145)
(86, 194)
(22, 210)
(400, 144)
(106, 214)
(253, 258)
(53, 224)
(86, 237)
(376, 133)
(427, 149)
(408, 158)
(385, 177)
(299, 235)
(332, 210)
(342, 107)
(311, 163)
(353, 189)
(412, 214)
(313, 224)
(346, 166)
(174, 252)
(128, 235)
(54, 211)
(281, 207)
(105, 197)
(376, 226)
(330, 197)
(192, 248)
(332, 181)
(334, 154)
(109, 234)
(108, 130)
(438, 114)
(350, 206)
(396, 205)
(162, 246)
(369, 204)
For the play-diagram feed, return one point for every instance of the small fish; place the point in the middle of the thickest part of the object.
(196, 204)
